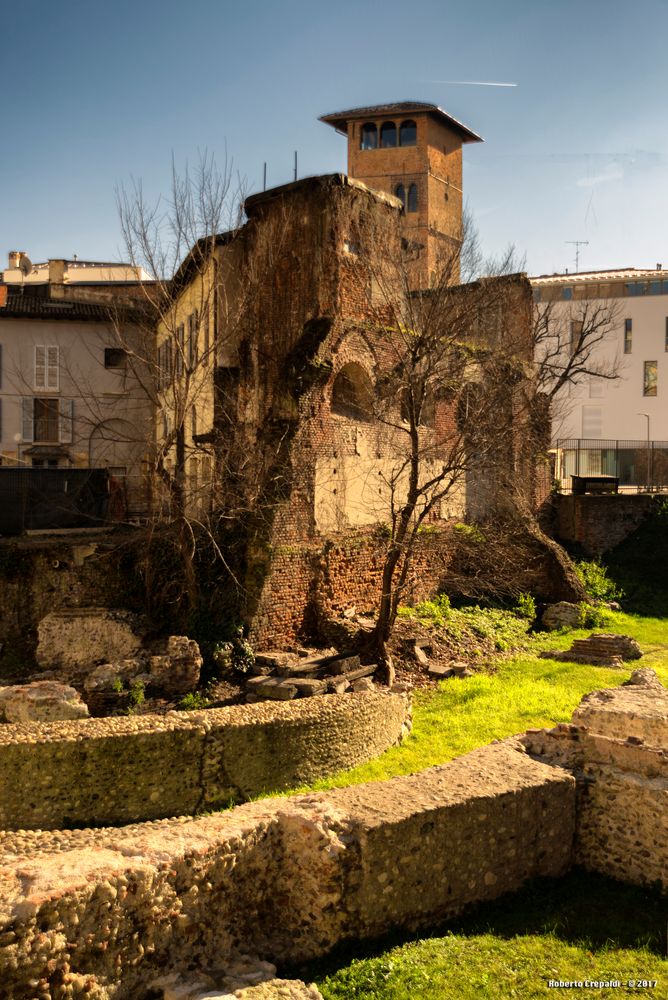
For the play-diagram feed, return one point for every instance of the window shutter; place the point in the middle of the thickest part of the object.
(40, 367)
(0, 366)
(0, 419)
(52, 360)
(28, 413)
(65, 414)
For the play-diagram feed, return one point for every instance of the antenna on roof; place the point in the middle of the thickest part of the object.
(295, 164)
(577, 244)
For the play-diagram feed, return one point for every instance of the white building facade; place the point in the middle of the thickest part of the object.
(616, 427)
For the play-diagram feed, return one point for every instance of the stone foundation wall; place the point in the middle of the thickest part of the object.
(618, 750)
(101, 914)
(599, 523)
(125, 769)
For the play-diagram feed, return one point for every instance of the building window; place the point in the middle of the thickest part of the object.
(193, 422)
(180, 350)
(408, 133)
(567, 293)
(193, 331)
(47, 363)
(369, 138)
(388, 135)
(649, 378)
(47, 421)
(412, 199)
(665, 341)
(400, 192)
(628, 335)
(114, 357)
(207, 336)
(352, 394)
(576, 334)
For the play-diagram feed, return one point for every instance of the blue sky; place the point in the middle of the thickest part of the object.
(95, 93)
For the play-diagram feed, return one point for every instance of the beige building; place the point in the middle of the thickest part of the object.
(70, 391)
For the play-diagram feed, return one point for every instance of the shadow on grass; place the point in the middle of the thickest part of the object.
(581, 909)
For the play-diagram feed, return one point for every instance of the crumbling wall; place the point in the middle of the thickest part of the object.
(124, 769)
(103, 913)
(618, 749)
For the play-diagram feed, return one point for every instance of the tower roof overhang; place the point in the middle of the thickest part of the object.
(339, 119)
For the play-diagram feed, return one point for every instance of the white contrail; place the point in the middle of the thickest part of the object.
(474, 83)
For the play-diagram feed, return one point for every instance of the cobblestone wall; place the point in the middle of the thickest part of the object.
(120, 770)
(101, 914)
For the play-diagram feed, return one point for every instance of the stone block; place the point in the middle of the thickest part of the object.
(363, 684)
(276, 660)
(562, 615)
(41, 701)
(279, 690)
(441, 670)
(343, 664)
(308, 686)
(73, 640)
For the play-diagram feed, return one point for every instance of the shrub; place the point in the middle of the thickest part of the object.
(596, 581)
(137, 694)
(592, 616)
(193, 700)
(526, 607)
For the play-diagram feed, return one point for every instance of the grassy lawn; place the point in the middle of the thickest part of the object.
(580, 927)
(523, 692)
(583, 927)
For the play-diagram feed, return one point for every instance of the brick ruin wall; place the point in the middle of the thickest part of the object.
(599, 523)
(125, 769)
(103, 913)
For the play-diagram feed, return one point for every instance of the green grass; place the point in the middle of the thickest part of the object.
(523, 692)
(580, 927)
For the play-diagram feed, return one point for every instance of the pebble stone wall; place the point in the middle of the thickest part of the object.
(618, 750)
(125, 769)
(101, 914)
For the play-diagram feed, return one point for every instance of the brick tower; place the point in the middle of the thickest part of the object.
(412, 150)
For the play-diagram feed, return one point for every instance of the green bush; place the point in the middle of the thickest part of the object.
(596, 581)
(193, 701)
(592, 616)
(526, 607)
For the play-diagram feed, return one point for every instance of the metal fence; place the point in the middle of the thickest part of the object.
(638, 465)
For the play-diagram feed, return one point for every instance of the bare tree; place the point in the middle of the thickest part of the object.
(570, 347)
(454, 358)
(178, 240)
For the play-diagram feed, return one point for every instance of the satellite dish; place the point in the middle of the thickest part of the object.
(25, 265)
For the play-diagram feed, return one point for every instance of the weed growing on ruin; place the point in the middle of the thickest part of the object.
(596, 582)
(506, 630)
(594, 616)
(193, 701)
(526, 607)
(137, 694)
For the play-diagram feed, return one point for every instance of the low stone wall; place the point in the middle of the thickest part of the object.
(103, 913)
(618, 750)
(124, 769)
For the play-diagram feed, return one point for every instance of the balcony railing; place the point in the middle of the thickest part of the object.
(640, 466)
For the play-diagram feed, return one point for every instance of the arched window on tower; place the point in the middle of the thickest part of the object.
(369, 136)
(408, 133)
(412, 199)
(400, 192)
(352, 393)
(388, 135)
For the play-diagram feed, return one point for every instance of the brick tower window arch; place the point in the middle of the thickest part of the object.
(408, 133)
(400, 192)
(369, 136)
(412, 199)
(388, 135)
(352, 393)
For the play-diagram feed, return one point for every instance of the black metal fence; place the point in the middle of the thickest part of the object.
(638, 465)
(54, 498)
